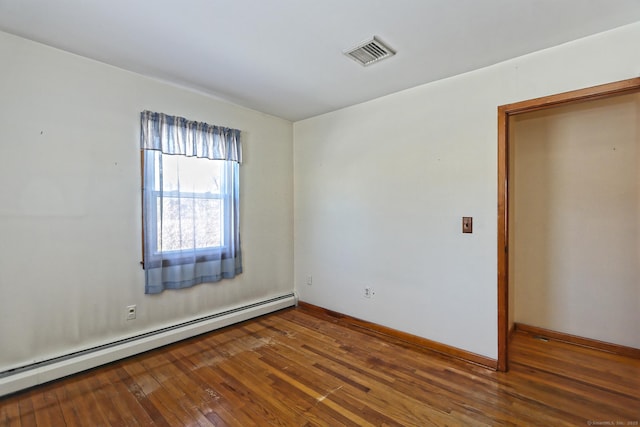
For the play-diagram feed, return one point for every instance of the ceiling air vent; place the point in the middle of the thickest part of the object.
(369, 51)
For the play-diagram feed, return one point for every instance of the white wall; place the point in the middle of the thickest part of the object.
(575, 193)
(70, 204)
(380, 189)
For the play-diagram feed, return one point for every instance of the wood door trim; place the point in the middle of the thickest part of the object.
(504, 112)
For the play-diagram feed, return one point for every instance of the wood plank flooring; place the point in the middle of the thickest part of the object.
(293, 368)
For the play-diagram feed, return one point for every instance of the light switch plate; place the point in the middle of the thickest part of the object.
(467, 224)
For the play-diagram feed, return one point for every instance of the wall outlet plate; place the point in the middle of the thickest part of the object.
(131, 312)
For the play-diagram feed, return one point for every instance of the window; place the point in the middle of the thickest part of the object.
(190, 202)
(189, 205)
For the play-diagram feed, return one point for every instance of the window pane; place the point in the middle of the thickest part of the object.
(191, 174)
(189, 223)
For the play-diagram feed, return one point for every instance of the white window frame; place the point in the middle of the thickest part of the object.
(176, 257)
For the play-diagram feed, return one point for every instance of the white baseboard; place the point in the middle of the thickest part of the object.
(72, 364)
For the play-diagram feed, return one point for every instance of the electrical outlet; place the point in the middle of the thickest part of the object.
(309, 280)
(368, 292)
(131, 312)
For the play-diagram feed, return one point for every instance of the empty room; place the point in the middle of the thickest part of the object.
(319, 213)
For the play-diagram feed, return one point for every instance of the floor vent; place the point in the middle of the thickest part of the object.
(541, 338)
(369, 51)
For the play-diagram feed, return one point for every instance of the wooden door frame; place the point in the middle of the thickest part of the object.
(504, 113)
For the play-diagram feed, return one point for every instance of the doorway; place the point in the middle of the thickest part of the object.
(506, 116)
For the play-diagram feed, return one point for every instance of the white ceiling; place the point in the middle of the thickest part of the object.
(284, 57)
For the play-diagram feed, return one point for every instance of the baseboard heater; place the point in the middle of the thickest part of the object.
(41, 372)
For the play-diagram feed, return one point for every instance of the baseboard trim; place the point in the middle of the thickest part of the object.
(618, 349)
(43, 372)
(414, 340)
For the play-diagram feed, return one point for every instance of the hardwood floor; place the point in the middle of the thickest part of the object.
(293, 368)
